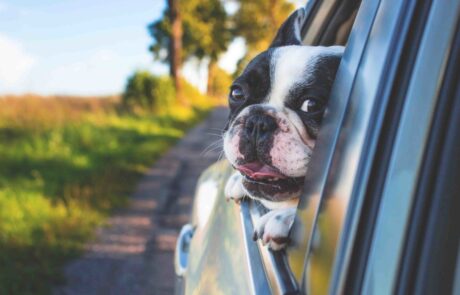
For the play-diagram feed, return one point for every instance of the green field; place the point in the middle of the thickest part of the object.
(65, 164)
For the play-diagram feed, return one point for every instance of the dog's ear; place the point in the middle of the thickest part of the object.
(290, 31)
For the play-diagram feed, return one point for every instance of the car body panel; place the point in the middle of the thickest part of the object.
(320, 166)
(407, 159)
(275, 265)
(353, 151)
(219, 264)
(224, 260)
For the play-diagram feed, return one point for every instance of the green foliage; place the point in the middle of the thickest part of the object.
(205, 30)
(160, 31)
(208, 30)
(147, 92)
(219, 83)
(257, 21)
(61, 178)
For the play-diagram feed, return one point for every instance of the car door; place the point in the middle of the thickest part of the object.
(215, 253)
(411, 246)
(361, 207)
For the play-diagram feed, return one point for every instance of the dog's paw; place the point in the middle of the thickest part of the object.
(234, 188)
(273, 228)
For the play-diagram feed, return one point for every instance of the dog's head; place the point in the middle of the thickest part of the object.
(276, 107)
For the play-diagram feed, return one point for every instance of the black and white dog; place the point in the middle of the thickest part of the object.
(276, 109)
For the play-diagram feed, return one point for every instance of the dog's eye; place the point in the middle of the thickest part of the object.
(237, 94)
(310, 105)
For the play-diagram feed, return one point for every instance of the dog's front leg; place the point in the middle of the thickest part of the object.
(234, 188)
(273, 228)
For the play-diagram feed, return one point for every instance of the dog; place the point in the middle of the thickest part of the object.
(276, 108)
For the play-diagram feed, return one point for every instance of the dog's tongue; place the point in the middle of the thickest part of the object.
(259, 170)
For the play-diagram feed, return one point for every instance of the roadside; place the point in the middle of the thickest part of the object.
(133, 254)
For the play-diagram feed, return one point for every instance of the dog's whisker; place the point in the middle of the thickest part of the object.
(218, 133)
(212, 147)
(207, 153)
(220, 155)
(214, 134)
(210, 150)
(216, 129)
(218, 141)
(214, 143)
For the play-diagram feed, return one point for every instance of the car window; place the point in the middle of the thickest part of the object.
(347, 144)
(406, 162)
(324, 151)
(329, 23)
(428, 264)
(308, 207)
(209, 253)
(456, 288)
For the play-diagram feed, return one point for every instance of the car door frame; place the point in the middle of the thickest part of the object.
(382, 52)
(348, 272)
(321, 16)
(422, 93)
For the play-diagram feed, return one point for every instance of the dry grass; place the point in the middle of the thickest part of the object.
(66, 162)
(34, 111)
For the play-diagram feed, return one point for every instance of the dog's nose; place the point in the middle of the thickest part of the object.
(258, 126)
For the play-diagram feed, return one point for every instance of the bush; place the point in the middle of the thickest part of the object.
(60, 176)
(147, 92)
(219, 83)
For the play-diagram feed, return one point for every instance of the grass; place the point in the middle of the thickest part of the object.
(65, 164)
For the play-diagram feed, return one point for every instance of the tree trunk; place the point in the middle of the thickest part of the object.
(175, 54)
(212, 67)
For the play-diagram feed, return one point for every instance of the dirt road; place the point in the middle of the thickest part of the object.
(134, 253)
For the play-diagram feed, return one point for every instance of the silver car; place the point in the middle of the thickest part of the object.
(380, 212)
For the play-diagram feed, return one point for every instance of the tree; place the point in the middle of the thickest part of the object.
(205, 29)
(175, 43)
(146, 92)
(207, 34)
(167, 33)
(257, 21)
(220, 83)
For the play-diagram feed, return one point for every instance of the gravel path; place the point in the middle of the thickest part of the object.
(134, 253)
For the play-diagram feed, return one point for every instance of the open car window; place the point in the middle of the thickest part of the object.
(380, 83)
(328, 23)
(338, 239)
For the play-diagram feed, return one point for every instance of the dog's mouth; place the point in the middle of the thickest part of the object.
(267, 182)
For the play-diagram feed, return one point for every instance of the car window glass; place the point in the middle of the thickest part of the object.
(329, 24)
(401, 181)
(456, 290)
(347, 148)
(301, 234)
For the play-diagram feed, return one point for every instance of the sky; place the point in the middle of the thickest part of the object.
(84, 47)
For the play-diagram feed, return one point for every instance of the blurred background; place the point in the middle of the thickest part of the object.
(91, 94)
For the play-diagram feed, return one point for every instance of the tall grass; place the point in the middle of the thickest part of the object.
(65, 164)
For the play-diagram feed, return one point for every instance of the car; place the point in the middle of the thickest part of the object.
(380, 208)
